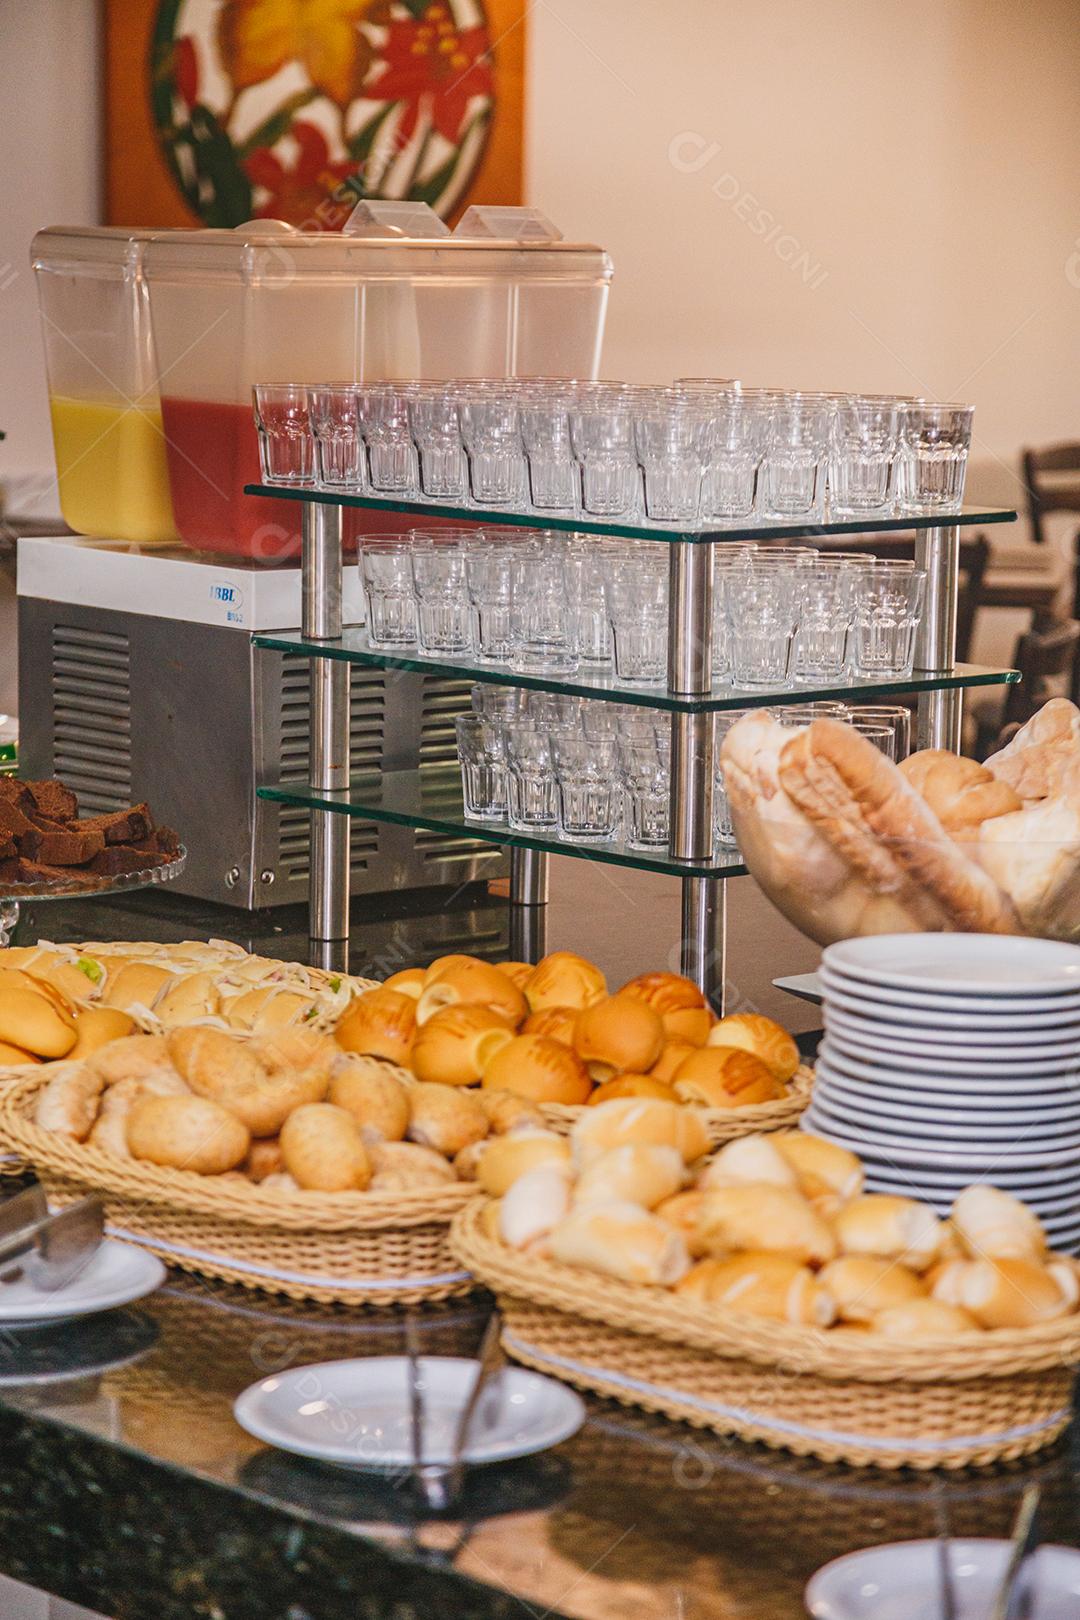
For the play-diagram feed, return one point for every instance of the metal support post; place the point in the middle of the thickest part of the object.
(528, 904)
(939, 713)
(328, 769)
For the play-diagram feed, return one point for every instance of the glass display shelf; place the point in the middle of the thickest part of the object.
(699, 533)
(432, 799)
(353, 648)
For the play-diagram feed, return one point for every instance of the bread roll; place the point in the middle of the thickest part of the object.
(14, 1057)
(747, 1160)
(619, 1034)
(406, 1166)
(631, 1085)
(211, 1061)
(639, 1119)
(763, 1284)
(95, 1027)
(557, 1023)
(187, 1133)
(508, 1158)
(264, 1159)
(992, 1224)
(445, 1118)
(683, 1009)
(667, 1064)
(923, 1319)
(67, 1005)
(381, 1023)
(779, 1219)
(516, 972)
(408, 982)
(543, 1070)
(130, 1058)
(563, 979)
(621, 1240)
(637, 1173)
(890, 1227)
(192, 997)
(828, 1174)
(454, 1046)
(321, 1147)
(300, 1053)
(725, 1077)
(961, 792)
(281, 1181)
(506, 1111)
(1039, 759)
(266, 1008)
(1009, 1293)
(136, 984)
(755, 1033)
(466, 1162)
(862, 1285)
(534, 1205)
(110, 1128)
(684, 1212)
(371, 1092)
(68, 1104)
(34, 1023)
(471, 981)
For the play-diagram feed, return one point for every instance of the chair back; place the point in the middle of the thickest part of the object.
(1041, 656)
(1049, 486)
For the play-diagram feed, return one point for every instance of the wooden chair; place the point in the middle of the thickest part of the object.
(1043, 657)
(1051, 494)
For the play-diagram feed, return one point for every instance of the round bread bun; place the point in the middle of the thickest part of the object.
(212, 1061)
(35, 1023)
(455, 1045)
(517, 971)
(380, 1023)
(639, 1119)
(95, 1027)
(439, 965)
(12, 1057)
(507, 1158)
(405, 1166)
(407, 982)
(445, 1118)
(632, 1085)
(619, 1035)
(923, 1319)
(674, 1053)
(506, 1111)
(684, 1011)
(187, 1133)
(683, 1211)
(266, 1008)
(264, 1159)
(136, 984)
(131, 1057)
(760, 1035)
(297, 1052)
(374, 1093)
(557, 1023)
(471, 982)
(725, 1077)
(192, 997)
(564, 979)
(322, 1149)
(541, 1069)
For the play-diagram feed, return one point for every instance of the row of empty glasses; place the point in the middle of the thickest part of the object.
(543, 602)
(695, 453)
(595, 772)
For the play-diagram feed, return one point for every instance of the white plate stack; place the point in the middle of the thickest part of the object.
(955, 1058)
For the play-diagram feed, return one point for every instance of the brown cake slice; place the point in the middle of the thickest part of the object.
(122, 826)
(54, 800)
(115, 861)
(12, 791)
(73, 845)
(13, 824)
(162, 841)
(18, 871)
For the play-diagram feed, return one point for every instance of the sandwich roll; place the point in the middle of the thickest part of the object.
(631, 1085)
(621, 1240)
(995, 1225)
(557, 1023)
(35, 1023)
(638, 1119)
(381, 1023)
(891, 1228)
(130, 1058)
(266, 1008)
(1009, 1293)
(725, 1077)
(446, 1118)
(761, 1216)
(516, 972)
(372, 1093)
(829, 1175)
(95, 1027)
(321, 1147)
(763, 1284)
(136, 984)
(506, 1111)
(68, 1105)
(746, 1160)
(755, 1033)
(508, 1158)
(190, 998)
(563, 979)
(406, 1166)
(187, 1133)
(683, 1212)
(862, 1285)
(471, 981)
(408, 982)
(534, 1205)
(619, 1034)
(455, 1045)
(683, 1009)
(923, 1319)
(538, 1068)
(637, 1173)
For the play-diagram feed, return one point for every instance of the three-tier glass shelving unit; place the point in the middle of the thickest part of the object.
(431, 797)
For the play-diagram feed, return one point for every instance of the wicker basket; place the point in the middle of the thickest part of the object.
(722, 1124)
(359, 1248)
(841, 1396)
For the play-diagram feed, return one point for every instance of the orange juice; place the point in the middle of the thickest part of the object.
(110, 461)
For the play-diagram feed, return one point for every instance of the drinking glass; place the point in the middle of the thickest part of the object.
(339, 448)
(895, 716)
(436, 428)
(725, 832)
(286, 446)
(672, 441)
(545, 433)
(443, 616)
(500, 703)
(491, 431)
(637, 601)
(865, 434)
(739, 438)
(826, 612)
(936, 440)
(543, 634)
(888, 606)
(588, 788)
(645, 775)
(532, 794)
(724, 558)
(795, 463)
(585, 565)
(488, 575)
(761, 603)
(602, 434)
(482, 752)
(392, 459)
(386, 569)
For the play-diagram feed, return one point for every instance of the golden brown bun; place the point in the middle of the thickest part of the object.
(68, 1104)
(829, 1175)
(684, 1011)
(187, 1133)
(297, 1052)
(408, 982)
(405, 1166)
(683, 1212)
(466, 1162)
(322, 1149)
(992, 1224)
(265, 1008)
(506, 1111)
(563, 979)
(260, 1081)
(509, 1157)
(518, 972)
(33, 1022)
(542, 1070)
(441, 963)
(862, 1285)
(471, 982)
(136, 984)
(890, 1227)
(15, 1057)
(264, 1159)
(211, 1061)
(61, 980)
(381, 1023)
(631, 1085)
(455, 1046)
(1008, 1293)
(373, 1093)
(764, 1284)
(725, 1077)
(638, 1173)
(923, 1319)
(779, 1219)
(490, 1212)
(746, 1161)
(961, 792)
(95, 1027)
(557, 1023)
(534, 1205)
(760, 1035)
(445, 1118)
(620, 1034)
(131, 1057)
(666, 1065)
(639, 1119)
(621, 1240)
(191, 997)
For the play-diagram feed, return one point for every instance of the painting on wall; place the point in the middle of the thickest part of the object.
(222, 111)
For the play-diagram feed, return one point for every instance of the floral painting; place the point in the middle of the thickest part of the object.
(296, 109)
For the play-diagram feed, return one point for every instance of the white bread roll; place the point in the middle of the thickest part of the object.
(863, 1285)
(890, 1227)
(510, 1157)
(638, 1119)
(829, 1175)
(636, 1173)
(405, 1166)
(374, 1094)
(779, 1219)
(534, 1205)
(96, 1027)
(923, 1319)
(994, 1225)
(683, 1212)
(446, 1118)
(130, 1057)
(1009, 1293)
(746, 1160)
(621, 1240)
(763, 1284)
(321, 1147)
(68, 1105)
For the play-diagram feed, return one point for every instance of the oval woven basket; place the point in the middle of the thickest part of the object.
(722, 1124)
(359, 1248)
(841, 1396)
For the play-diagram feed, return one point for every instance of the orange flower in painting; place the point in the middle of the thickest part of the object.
(306, 194)
(257, 37)
(433, 60)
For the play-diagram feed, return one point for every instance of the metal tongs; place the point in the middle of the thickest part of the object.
(49, 1250)
(1014, 1595)
(440, 1483)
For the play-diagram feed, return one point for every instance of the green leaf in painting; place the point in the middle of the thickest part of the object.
(277, 125)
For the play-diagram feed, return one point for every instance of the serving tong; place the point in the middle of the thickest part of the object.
(1014, 1595)
(48, 1249)
(440, 1483)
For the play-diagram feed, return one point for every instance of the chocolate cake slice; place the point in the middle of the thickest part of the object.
(122, 826)
(13, 824)
(162, 841)
(18, 871)
(115, 861)
(73, 845)
(14, 792)
(54, 800)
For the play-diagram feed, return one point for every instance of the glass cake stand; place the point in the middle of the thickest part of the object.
(87, 888)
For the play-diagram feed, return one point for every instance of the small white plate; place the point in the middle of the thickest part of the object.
(355, 1414)
(1019, 1069)
(117, 1275)
(884, 1129)
(976, 964)
(935, 1086)
(927, 1013)
(902, 1037)
(903, 1103)
(882, 1175)
(1053, 1164)
(998, 1006)
(961, 1124)
(902, 1580)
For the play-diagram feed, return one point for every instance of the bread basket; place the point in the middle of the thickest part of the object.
(358, 1248)
(722, 1124)
(839, 1395)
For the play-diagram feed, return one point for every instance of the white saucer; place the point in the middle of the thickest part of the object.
(903, 1103)
(355, 1414)
(884, 1129)
(117, 1275)
(1059, 1040)
(1053, 1164)
(999, 1006)
(1018, 1068)
(969, 964)
(986, 1017)
(902, 1580)
(933, 1082)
